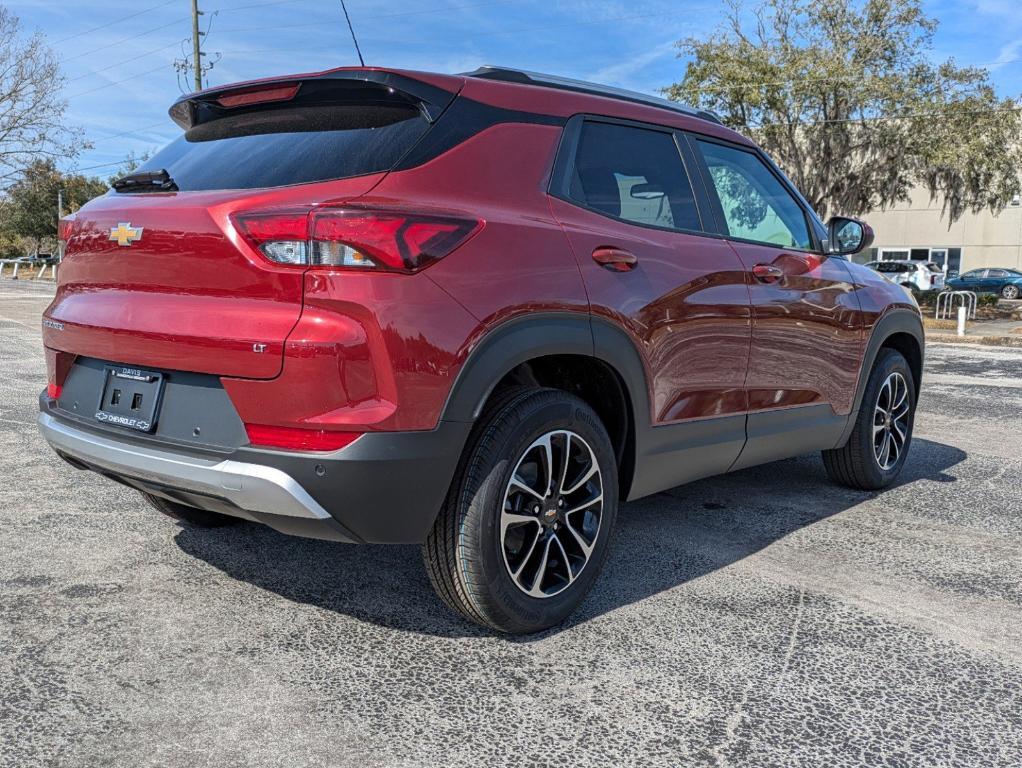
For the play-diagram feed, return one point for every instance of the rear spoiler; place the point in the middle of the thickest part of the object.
(203, 106)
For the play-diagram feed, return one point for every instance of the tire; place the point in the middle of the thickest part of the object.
(199, 518)
(862, 463)
(1010, 292)
(486, 553)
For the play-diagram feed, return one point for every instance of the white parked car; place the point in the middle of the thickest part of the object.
(918, 275)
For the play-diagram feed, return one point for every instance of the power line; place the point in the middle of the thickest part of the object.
(134, 132)
(888, 118)
(480, 34)
(232, 8)
(262, 5)
(127, 39)
(118, 21)
(847, 78)
(95, 72)
(389, 15)
(102, 165)
(118, 82)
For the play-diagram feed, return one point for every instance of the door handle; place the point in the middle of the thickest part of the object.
(615, 259)
(767, 273)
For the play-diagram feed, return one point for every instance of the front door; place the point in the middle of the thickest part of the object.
(807, 333)
(630, 215)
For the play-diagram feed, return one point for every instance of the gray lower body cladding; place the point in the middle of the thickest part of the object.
(384, 487)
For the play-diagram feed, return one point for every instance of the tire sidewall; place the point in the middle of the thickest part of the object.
(890, 362)
(545, 413)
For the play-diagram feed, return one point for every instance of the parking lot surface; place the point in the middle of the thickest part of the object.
(766, 618)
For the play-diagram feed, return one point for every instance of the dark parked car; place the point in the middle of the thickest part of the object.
(1006, 282)
(474, 312)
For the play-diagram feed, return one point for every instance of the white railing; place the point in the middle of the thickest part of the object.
(947, 300)
(19, 264)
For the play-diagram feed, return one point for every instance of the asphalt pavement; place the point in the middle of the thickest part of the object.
(765, 618)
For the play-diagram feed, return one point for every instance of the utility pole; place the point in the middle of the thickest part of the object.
(196, 46)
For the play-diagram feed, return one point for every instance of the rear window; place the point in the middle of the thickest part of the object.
(294, 143)
(933, 267)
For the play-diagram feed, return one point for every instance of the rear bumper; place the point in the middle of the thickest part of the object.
(385, 487)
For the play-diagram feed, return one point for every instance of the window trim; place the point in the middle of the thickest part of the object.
(811, 220)
(559, 185)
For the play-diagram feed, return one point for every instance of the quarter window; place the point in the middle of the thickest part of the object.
(756, 205)
(633, 174)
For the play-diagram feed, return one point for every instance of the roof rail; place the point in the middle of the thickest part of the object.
(509, 75)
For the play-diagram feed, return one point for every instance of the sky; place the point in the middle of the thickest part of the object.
(118, 55)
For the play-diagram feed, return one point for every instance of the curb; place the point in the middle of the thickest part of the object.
(986, 341)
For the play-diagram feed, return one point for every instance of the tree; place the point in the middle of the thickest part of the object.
(30, 207)
(31, 111)
(842, 94)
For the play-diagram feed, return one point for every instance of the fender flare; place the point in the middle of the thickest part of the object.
(535, 335)
(895, 321)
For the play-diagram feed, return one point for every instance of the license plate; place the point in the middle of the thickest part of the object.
(131, 398)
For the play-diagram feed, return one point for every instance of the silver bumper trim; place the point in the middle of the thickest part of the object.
(251, 487)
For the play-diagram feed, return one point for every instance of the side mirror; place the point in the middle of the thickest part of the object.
(847, 236)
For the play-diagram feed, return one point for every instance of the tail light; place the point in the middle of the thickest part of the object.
(355, 238)
(64, 227)
(297, 439)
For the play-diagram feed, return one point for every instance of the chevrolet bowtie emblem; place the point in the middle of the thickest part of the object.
(125, 234)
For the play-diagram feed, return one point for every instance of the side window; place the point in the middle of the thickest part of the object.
(633, 174)
(996, 273)
(756, 205)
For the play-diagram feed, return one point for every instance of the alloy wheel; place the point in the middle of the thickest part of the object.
(551, 514)
(890, 421)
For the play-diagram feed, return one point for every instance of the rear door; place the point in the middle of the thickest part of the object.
(995, 280)
(807, 333)
(626, 202)
(162, 279)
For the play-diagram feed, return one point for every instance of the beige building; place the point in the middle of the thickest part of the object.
(917, 230)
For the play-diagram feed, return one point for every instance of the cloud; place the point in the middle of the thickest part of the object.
(623, 71)
(1008, 54)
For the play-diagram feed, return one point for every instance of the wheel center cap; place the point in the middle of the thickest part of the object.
(550, 515)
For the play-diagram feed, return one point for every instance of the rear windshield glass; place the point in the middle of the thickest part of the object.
(890, 266)
(291, 145)
(933, 267)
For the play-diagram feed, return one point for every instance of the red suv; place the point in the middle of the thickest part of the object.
(474, 312)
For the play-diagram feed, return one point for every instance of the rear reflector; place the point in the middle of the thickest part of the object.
(295, 439)
(355, 238)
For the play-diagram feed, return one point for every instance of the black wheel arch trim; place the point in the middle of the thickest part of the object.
(536, 335)
(895, 321)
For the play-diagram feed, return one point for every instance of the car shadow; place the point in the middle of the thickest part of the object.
(660, 542)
